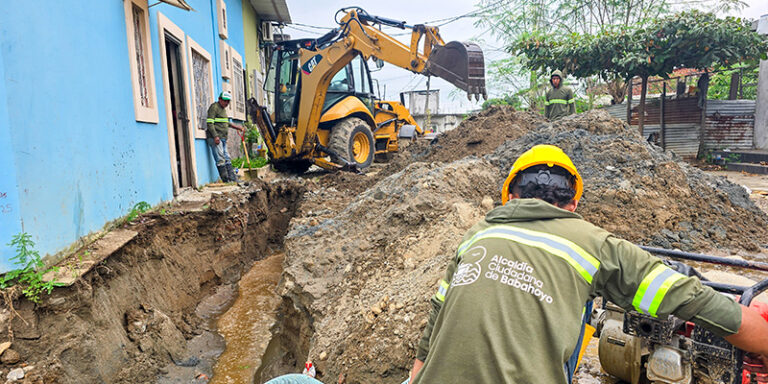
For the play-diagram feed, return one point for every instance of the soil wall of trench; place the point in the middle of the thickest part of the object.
(132, 313)
(364, 254)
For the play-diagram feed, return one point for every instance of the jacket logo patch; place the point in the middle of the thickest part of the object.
(468, 273)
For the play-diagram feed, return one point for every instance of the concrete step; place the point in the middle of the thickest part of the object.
(743, 156)
(748, 167)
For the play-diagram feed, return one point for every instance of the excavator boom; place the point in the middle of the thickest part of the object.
(302, 71)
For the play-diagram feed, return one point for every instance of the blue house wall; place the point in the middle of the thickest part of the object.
(10, 219)
(73, 155)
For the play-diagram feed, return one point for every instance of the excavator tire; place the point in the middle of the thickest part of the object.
(353, 140)
(292, 166)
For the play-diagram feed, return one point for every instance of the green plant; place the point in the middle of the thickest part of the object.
(507, 99)
(29, 276)
(137, 209)
(256, 162)
(252, 134)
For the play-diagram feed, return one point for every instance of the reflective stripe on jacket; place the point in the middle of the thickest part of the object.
(217, 122)
(560, 102)
(509, 309)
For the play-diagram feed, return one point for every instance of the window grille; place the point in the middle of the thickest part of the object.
(239, 85)
(141, 67)
(201, 73)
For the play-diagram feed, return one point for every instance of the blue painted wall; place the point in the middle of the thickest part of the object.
(10, 219)
(73, 155)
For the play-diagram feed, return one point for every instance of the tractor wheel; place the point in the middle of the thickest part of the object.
(352, 139)
(292, 166)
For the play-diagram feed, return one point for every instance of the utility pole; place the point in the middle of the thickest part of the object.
(427, 118)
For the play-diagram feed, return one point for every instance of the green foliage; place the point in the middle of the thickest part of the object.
(29, 276)
(256, 162)
(690, 39)
(137, 209)
(709, 157)
(252, 134)
(510, 100)
(515, 20)
(720, 82)
(582, 105)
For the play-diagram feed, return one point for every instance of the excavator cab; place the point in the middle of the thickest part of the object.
(283, 83)
(349, 96)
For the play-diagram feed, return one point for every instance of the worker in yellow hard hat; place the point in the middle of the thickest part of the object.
(515, 300)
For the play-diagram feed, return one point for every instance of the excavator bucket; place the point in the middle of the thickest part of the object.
(462, 65)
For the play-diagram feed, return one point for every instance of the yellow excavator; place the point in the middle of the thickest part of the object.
(325, 112)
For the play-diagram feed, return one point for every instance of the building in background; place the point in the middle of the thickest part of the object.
(426, 111)
(103, 104)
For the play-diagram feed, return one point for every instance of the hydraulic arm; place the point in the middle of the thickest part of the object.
(293, 135)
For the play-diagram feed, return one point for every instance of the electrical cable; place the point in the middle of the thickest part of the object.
(311, 26)
(473, 13)
(303, 30)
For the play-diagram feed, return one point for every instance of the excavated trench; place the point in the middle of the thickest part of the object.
(360, 262)
(148, 313)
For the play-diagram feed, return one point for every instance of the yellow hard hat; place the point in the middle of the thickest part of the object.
(542, 154)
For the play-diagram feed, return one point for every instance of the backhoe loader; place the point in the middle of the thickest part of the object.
(325, 112)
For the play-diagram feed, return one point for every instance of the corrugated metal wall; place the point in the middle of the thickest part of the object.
(682, 119)
(730, 124)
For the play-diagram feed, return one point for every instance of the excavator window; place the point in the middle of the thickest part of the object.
(287, 69)
(362, 80)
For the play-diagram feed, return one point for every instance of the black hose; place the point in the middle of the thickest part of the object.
(268, 123)
(756, 265)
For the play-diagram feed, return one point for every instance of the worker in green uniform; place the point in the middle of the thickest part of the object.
(216, 135)
(560, 101)
(511, 308)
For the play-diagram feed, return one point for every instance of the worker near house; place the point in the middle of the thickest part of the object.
(512, 306)
(216, 135)
(560, 101)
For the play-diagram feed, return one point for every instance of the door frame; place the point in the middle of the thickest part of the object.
(166, 26)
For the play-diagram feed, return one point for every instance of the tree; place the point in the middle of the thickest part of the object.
(517, 20)
(687, 40)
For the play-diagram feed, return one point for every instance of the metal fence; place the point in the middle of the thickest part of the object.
(728, 123)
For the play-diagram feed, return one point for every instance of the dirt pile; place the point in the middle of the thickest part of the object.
(134, 312)
(639, 192)
(478, 135)
(362, 277)
(361, 267)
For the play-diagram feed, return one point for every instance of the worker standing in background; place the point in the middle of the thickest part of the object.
(216, 135)
(513, 305)
(560, 100)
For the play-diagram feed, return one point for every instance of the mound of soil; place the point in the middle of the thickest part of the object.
(363, 276)
(361, 267)
(642, 193)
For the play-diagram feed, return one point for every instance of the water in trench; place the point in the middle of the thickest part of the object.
(246, 324)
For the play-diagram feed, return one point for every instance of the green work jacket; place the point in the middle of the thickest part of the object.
(510, 307)
(217, 122)
(560, 101)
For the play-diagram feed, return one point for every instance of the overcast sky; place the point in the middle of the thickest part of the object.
(320, 14)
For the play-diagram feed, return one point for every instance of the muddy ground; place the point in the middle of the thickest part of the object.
(132, 314)
(363, 253)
